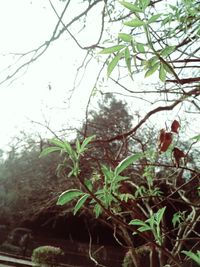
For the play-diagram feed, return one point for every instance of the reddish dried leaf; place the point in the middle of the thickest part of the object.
(178, 154)
(165, 140)
(162, 136)
(175, 126)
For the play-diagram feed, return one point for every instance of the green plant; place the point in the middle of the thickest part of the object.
(107, 197)
(152, 224)
(194, 256)
(48, 256)
(128, 261)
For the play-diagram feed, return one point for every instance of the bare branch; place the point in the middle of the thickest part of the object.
(149, 114)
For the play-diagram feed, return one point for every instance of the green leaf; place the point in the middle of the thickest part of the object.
(112, 49)
(151, 221)
(159, 215)
(152, 61)
(167, 68)
(196, 137)
(65, 145)
(113, 64)
(69, 149)
(127, 162)
(86, 141)
(126, 197)
(130, 6)
(144, 3)
(57, 142)
(193, 256)
(49, 150)
(134, 23)
(174, 8)
(78, 146)
(167, 51)
(125, 37)
(177, 218)
(162, 73)
(97, 210)
(154, 18)
(68, 196)
(140, 47)
(144, 228)
(138, 222)
(152, 69)
(108, 173)
(80, 203)
(128, 59)
(88, 184)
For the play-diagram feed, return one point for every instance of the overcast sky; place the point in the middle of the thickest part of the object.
(24, 25)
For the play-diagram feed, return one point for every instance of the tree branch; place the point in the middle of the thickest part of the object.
(149, 114)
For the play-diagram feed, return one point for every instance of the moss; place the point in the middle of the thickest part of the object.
(47, 256)
(143, 257)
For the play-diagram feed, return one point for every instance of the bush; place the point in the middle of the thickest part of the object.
(47, 256)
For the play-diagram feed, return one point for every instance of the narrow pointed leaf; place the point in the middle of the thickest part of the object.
(49, 150)
(125, 37)
(78, 146)
(80, 203)
(144, 3)
(152, 70)
(196, 137)
(112, 49)
(127, 162)
(68, 196)
(57, 142)
(138, 222)
(113, 64)
(128, 59)
(168, 68)
(134, 23)
(154, 18)
(144, 228)
(162, 73)
(97, 210)
(140, 47)
(130, 6)
(87, 141)
(167, 51)
(159, 214)
(193, 256)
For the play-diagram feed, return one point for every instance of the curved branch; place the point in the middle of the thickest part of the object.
(150, 113)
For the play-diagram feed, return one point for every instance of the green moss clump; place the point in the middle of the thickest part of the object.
(48, 256)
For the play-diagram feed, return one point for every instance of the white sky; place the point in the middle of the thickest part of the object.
(23, 26)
